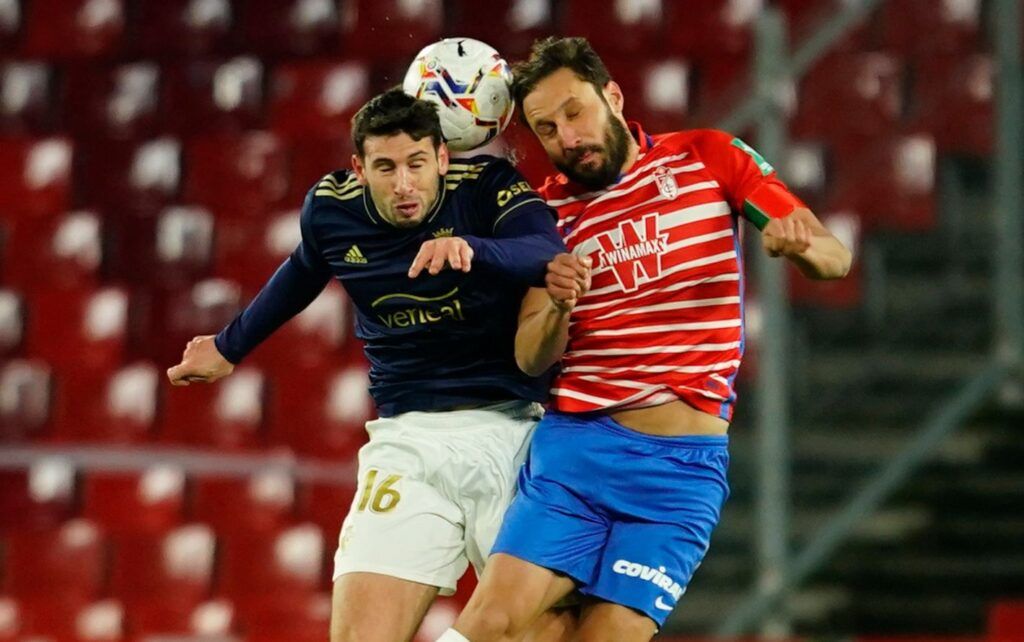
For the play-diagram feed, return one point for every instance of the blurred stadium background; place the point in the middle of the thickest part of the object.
(153, 154)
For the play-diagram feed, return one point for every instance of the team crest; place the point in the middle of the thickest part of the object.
(635, 257)
(666, 183)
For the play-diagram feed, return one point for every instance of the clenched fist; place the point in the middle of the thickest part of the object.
(789, 237)
(201, 362)
(568, 279)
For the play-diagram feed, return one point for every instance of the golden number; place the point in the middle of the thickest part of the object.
(385, 498)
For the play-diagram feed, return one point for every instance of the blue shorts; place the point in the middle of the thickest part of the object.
(626, 515)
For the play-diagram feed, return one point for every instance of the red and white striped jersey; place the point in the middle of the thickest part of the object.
(664, 317)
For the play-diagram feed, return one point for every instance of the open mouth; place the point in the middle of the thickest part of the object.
(408, 210)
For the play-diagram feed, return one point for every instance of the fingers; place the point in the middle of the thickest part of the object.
(786, 237)
(567, 279)
(434, 255)
(422, 258)
(438, 260)
(466, 256)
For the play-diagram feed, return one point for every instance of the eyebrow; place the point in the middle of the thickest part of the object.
(548, 121)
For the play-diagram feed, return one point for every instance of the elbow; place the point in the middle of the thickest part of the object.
(530, 365)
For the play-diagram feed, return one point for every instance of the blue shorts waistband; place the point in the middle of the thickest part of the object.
(682, 441)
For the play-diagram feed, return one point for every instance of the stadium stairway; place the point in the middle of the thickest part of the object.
(946, 546)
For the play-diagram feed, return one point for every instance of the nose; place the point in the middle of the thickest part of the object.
(568, 136)
(404, 181)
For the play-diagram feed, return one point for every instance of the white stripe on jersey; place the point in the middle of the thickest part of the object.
(647, 329)
(674, 305)
(558, 202)
(718, 278)
(712, 367)
(621, 352)
(707, 260)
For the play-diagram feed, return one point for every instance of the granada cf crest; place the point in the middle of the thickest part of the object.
(666, 183)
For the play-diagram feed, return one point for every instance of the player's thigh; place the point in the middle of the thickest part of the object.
(369, 607)
(607, 622)
(558, 624)
(511, 595)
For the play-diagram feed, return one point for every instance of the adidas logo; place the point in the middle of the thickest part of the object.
(443, 232)
(354, 255)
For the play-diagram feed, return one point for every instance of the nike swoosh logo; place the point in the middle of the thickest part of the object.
(658, 604)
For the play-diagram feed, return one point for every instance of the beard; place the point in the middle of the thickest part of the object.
(614, 151)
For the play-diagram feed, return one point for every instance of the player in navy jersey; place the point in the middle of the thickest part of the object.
(436, 256)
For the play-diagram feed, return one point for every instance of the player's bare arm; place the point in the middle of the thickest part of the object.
(544, 316)
(201, 362)
(436, 254)
(801, 238)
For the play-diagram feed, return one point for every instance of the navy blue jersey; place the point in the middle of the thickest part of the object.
(433, 342)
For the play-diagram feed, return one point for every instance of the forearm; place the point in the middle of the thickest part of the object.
(542, 338)
(522, 259)
(826, 258)
(288, 292)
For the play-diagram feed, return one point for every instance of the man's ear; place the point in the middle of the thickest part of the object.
(614, 97)
(443, 159)
(357, 167)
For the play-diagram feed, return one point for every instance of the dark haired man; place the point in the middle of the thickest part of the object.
(456, 412)
(627, 472)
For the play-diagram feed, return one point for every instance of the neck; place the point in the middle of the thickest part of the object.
(632, 152)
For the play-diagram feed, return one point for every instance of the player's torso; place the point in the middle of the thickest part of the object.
(665, 301)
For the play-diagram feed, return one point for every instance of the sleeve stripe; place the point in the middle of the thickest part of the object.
(535, 199)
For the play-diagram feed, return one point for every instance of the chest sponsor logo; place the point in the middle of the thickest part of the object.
(666, 182)
(635, 257)
(655, 576)
(417, 310)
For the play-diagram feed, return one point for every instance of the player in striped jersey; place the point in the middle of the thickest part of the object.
(627, 473)
(436, 257)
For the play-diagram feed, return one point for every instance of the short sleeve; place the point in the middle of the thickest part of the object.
(504, 193)
(750, 182)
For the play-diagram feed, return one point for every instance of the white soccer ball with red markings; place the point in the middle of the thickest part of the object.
(470, 82)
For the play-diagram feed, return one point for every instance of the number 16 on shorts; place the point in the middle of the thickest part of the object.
(379, 496)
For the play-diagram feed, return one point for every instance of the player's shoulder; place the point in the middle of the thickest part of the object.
(466, 171)
(693, 139)
(336, 189)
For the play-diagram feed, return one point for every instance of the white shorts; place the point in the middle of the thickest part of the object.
(433, 489)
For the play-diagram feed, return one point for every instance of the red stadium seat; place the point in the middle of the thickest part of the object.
(171, 316)
(510, 26)
(390, 29)
(35, 177)
(290, 566)
(131, 177)
(214, 96)
(175, 27)
(226, 416)
(163, 579)
(261, 503)
(148, 502)
(706, 29)
(121, 408)
(321, 413)
(850, 100)
(311, 158)
(241, 178)
(64, 563)
(893, 185)
(11, 21)
(326, 505)
(296, 27)
(954, 101)
(41, 497)
(25, 388)
(317, 99)
(68, 29)
(103, 102)
(293, 617)
(925, 28)
(60, 253)
(78, 330)
(625, 28)
(169, 250)
(26, 100)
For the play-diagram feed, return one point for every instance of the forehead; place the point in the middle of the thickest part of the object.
(396, 146)
(554, 91)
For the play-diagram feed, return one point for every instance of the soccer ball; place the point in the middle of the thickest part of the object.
(470, 82)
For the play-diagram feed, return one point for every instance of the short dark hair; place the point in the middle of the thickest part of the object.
(395, 112)
(553, 53)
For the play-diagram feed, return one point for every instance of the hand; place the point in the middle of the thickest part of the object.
(567, 280)
(436, 253)
(201, 362)
(789, 237)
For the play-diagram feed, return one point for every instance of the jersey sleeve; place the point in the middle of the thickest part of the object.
(504, 194)
(751, 184)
